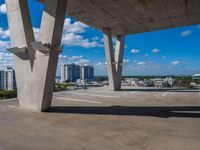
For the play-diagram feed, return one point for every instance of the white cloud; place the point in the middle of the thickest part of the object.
(73, 59)
(76, 27)
(99, 63)
(5, 59)
(186, 33)
(82, 61)
(36, 33)
(134, 51)
(69, 59)
(175, 62)
(4, 45)
(126, 60)
(71, 39)
(4, 33)
(3, 8)
(141, 63)
(155, 51)
(72, 35)
(96, 38)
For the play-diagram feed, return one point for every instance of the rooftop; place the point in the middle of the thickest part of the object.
(99, 119)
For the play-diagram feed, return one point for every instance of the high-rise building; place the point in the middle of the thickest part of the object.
(7, 79)
(73, 72)
(70, 72)
(63, 73)
(87, 72)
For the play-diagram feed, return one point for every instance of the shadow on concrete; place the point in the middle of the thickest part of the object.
(157, 111)
(163, 90)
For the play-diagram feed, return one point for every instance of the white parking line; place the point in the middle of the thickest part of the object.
(134, 92)
(165, 94)
(118, 92)
(102, 91)
(79, 100)
(95, 95)
(15, 107)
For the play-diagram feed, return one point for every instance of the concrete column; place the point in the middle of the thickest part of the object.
(35, 73)
(119, 56)
(51, 32)
(21, 35)
(110, 58)
(114, 62)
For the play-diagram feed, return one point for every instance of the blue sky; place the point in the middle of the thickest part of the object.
(166, 52)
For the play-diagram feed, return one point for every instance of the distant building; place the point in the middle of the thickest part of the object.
(170, 81)
(158, 82)
(73, 72)
(63, 73)
(86, 72)
(167, 82)
(195, 81)
(196, 76)
(7, 79)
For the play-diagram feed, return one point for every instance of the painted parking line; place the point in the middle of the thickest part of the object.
(101, 91)
(134, 92)
(166, 93)
(15, 107)
(114, 92)
(79, 100)
(95, 95)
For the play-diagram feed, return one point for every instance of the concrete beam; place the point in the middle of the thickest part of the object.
(36, 76)
(114, 62)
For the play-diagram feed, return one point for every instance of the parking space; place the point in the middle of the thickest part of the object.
(137, 97)
(99, 119)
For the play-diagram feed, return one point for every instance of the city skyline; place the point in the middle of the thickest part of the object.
(165, 52)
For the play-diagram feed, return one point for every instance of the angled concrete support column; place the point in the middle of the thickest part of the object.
(35, 62)
(119, 56)
(114, 62)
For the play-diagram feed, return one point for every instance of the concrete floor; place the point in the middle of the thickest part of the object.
(98, 119)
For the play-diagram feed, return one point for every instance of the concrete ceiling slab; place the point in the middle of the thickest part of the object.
(135, 16)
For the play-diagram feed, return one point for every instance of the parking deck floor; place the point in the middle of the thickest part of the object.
(99, 119)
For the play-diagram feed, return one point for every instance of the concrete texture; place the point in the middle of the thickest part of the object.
(114, 59)
(36, 76)
(35, 69)
(110, 59)
(119, 56)
(100, 119)
(135, 16)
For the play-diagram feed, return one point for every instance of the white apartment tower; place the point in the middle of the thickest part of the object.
(7, 79)
(73, 72)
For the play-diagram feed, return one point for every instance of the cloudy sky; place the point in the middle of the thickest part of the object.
(174, 51)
